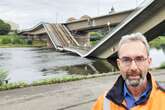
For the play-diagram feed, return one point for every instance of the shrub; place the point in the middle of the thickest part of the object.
(29, 42)
(3, 76)
(5, 40)
(17, 40)
(95, 36)
(4, 28)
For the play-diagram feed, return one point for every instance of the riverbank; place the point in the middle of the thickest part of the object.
(75, 95)
(14, 40)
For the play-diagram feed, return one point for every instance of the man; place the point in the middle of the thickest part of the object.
(135, 88)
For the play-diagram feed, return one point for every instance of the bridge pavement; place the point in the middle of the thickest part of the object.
(76, 95)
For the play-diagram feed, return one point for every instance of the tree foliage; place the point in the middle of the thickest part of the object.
(4, 28)
(95, 36)
(158, 43)
(3, 76)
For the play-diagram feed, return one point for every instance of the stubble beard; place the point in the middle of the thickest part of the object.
(135, 82)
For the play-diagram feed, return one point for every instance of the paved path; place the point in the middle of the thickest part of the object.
(76, 95)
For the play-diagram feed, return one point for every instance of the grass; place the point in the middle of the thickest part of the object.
(51, 81)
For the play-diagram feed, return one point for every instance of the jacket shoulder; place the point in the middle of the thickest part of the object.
(161, 86)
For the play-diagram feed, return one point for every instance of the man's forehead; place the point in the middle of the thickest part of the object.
(132, 48)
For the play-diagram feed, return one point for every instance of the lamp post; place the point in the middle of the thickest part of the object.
(136, 3)
(98, 7)
(108, 24)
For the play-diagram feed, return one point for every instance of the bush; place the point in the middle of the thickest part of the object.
(29, 42)
(4, 28)
(95, 36)
(17, 40)
(3, 76)
(5, 40)
(11, 39)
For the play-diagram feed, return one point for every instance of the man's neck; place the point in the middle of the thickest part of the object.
(137, 91)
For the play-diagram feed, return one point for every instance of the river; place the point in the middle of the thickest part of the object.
(30, 64)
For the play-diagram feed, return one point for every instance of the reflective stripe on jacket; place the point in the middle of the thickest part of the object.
(114, 100)
(106, 104)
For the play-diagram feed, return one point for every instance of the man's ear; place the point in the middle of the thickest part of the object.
(149, 60)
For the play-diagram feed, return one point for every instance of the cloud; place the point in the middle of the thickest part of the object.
(27, 13)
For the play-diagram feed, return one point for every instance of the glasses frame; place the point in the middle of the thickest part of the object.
(139, 60)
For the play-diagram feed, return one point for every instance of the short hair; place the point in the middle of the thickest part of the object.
(134, 37)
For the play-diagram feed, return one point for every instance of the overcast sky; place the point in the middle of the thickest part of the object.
(27, 13)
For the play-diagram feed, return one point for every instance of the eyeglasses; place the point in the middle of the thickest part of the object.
(139, 60)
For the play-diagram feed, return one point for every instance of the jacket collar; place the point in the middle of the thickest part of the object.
(116, 94)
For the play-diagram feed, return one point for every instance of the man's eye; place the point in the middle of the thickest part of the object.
(139, 58)
(126, 59)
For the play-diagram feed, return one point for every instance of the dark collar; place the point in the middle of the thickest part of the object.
(116, 94)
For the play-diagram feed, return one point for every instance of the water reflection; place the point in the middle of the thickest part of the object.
(95, 67)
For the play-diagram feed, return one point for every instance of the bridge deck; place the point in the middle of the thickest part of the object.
(60, 36)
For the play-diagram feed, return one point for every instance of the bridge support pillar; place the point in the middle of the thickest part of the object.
(83, 39)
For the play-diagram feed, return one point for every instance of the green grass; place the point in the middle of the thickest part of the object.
(51, 81)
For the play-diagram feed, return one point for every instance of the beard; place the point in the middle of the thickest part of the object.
(134, 82)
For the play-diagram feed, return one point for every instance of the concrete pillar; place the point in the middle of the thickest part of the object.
(83, 39)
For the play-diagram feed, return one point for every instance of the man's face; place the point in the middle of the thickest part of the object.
(133, 63)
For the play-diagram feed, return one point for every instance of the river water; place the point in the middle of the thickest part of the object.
(30, 64)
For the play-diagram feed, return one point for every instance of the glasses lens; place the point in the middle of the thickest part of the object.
(126, 60)
(138, 60)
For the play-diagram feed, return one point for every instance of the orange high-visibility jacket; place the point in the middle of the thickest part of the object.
(114, 99)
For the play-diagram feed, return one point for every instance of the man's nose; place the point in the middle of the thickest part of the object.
(133, 65)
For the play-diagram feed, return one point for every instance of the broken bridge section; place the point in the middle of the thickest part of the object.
(60, 36)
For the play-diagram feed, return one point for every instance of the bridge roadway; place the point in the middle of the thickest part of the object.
(76, 95)
(111, 19)
(85, 24)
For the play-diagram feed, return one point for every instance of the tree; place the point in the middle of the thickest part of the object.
(4, 28)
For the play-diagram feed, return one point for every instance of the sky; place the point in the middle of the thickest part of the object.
(28, 13)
